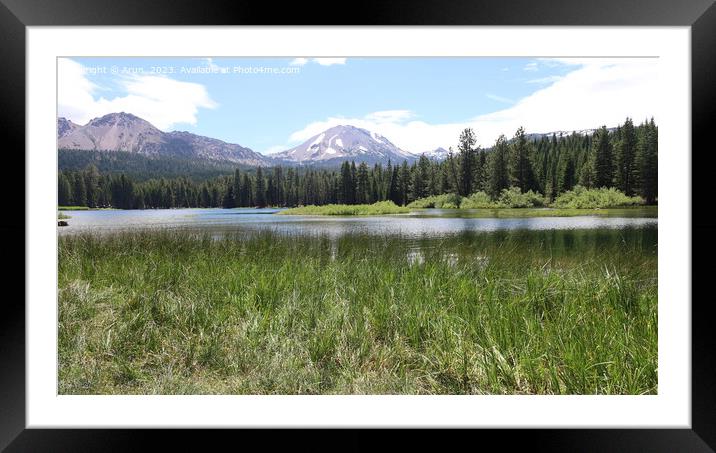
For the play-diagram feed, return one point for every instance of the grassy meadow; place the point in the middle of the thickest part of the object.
(175, 312)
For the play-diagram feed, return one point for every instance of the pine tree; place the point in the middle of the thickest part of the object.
(466, 145)
(91, 178)
(586, 177)
(354, 182)
(237, 187)
(421, 177)
(79, 190)
(445, 186)
(480, 171)
(363, 184)
(452, 165)
(246, 193)
(387, 182)
(204, 199)
(260, 191)
(229, 200)
(395, 192)
(519, 165)
(434, 179)
(648, 162)
(602, 163)
(347, 191)
(626, 158)
(404, 183)
(566, 172)
(278, 195)
(64, 191)
(498, 178)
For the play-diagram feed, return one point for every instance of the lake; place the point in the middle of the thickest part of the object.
(418, 224)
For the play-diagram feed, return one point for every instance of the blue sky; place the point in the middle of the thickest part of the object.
(418, 103)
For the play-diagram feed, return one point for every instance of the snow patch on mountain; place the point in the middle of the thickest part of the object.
(437, 154)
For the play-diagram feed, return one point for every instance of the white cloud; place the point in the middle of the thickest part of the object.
(320, 61)
(543, 80)
(531, 66)
(390, 116)
(497, 98)
(298, 61)
(329, 61)
(160, 100)
(596, 92)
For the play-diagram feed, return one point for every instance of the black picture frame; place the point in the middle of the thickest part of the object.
(16, 15)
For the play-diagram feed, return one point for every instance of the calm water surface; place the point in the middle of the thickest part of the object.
(419, 224)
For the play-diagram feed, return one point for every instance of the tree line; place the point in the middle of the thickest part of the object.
(141, 167)
(625, 158)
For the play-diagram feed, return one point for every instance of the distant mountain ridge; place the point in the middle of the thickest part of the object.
(126, 132)
(129, 133)
(439, 153)
(537, 136)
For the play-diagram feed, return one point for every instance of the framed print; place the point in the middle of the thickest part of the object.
(431, 217)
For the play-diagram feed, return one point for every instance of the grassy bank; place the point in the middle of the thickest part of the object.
(504, 313)
(514, 198)
(641, 211)
(379, 208)
(82, 208)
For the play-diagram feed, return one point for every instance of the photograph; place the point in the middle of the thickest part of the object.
(360, 225)
(434, 216)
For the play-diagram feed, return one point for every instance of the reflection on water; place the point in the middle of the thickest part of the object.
(431, 223)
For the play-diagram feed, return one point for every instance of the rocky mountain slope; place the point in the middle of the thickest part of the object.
(129, 133)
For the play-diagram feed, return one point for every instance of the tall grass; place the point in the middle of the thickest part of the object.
(379, 208)
(505, 313)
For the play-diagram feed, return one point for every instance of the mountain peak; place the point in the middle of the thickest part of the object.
(344, 142)
(438, 153)
(119, 119)
(65, 126)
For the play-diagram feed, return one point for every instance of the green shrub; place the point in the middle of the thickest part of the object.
(478, 200)
(583, 198)
(514, 198)
(444, 201)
